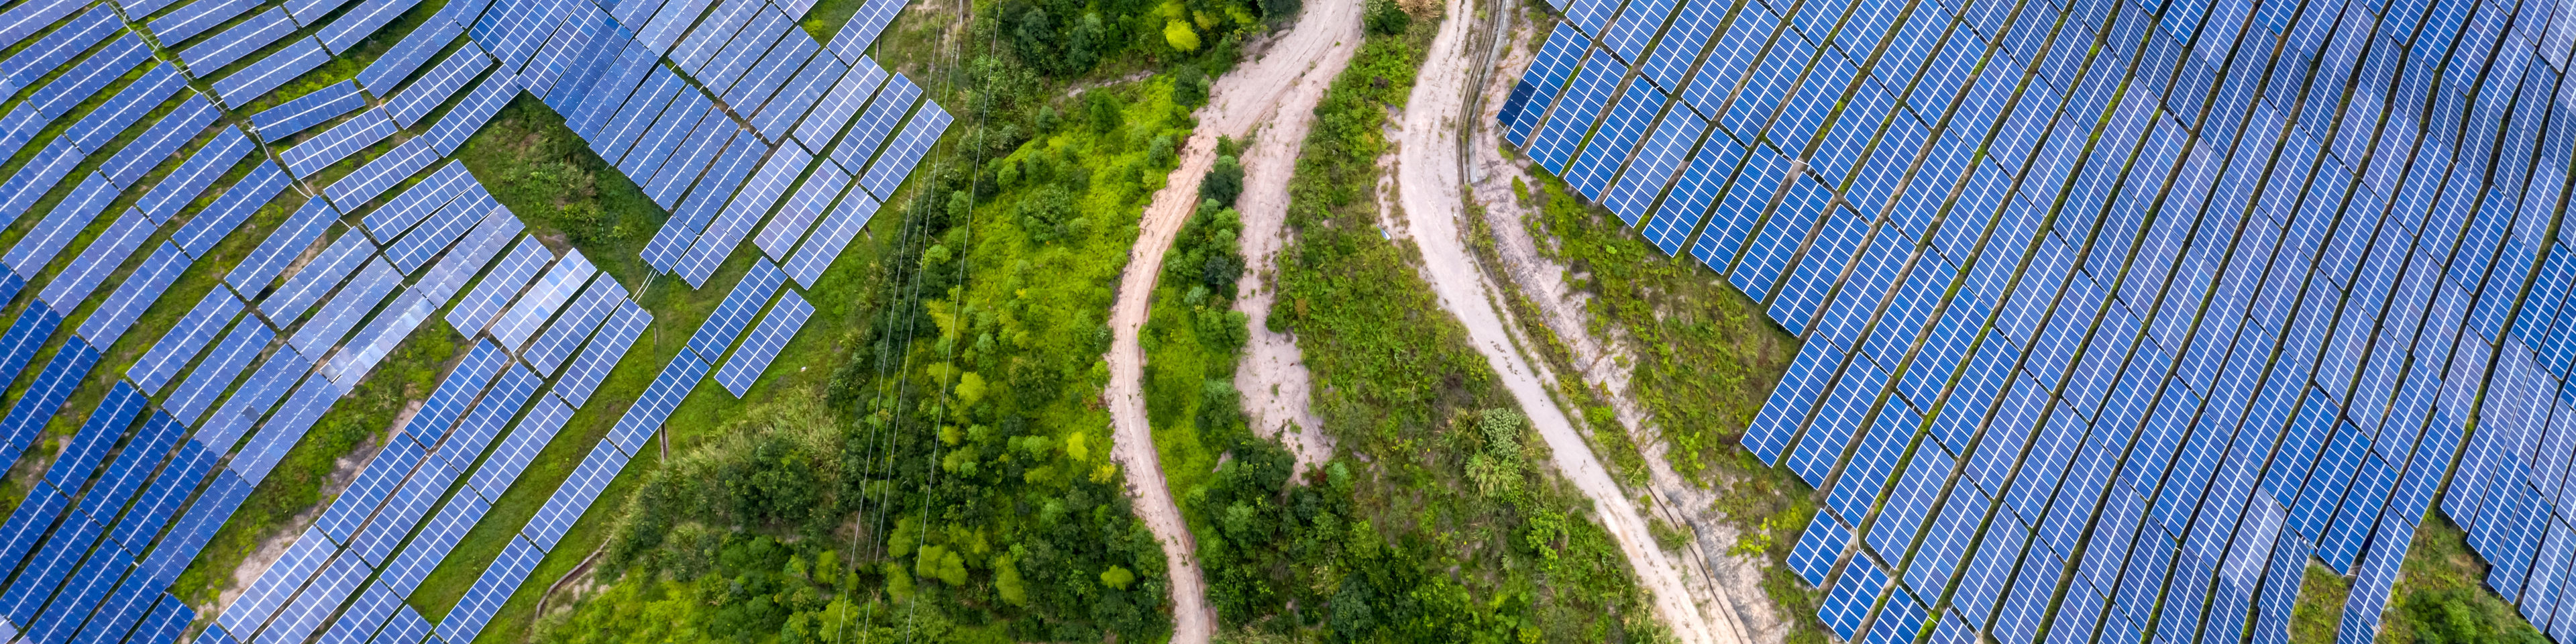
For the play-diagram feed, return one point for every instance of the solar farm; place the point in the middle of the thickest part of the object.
(716, 108)
(2116, 314)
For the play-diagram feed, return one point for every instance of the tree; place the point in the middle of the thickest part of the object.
(1082, 45)
(1386, 18)
(1224, 182)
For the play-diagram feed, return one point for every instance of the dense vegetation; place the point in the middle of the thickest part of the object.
(950, 479)
(2441, 597)
(1435, 522)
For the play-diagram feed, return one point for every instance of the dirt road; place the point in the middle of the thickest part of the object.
(1303, 60)
(1432, 192)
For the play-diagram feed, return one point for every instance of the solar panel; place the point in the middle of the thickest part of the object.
(636, 117)
(504, 465)
(645, 416)
(862, 29)
(222, 50)
(49, 53)
(683, 169)
(1608, 152)
(414, 249)
(70, 217)
(772, 73)
(417, 202)
(764, 343)
(566, 333)
(756, 39)
(828, 240)
(134, 294)
(669, 247)
(472, 253)
(551, 291)
(745, 211)
(96, 130)
(22, 189)
(633, 66)
(877, 123)
(433, 89)
(345, 32)
(317, 277)
(191, 178)
(460, 123)
(1554, 145)
(837, 106)
(666, 134)
(811, 200)
(348, 307)
(189, 337)
(337, 143)
(481, 601)
(380, 174)
(712, 35)
(777, 118)
(889, 170)
(104, 255)
(606, 347)
(497, 288)
(86, 78)
(214, 375)
(408, 54)
(418, 557)
(162, 142)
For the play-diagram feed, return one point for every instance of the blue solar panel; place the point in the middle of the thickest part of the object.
(215, 375)
(889, 170)
(233, 207)
(863, 28)
(1865, 477)
(442, 82)
(877, 123)
(753, 93)
(566, 333)
(682, 170)
(100, 127)
(87, 77)
(481, 601)
(82, 276)
(380, 174)
(840, 104)
(521, 322)
(161, 143)
(645, 416)
(49, 53)
(407, 55)
(194, 331)
(437, 536)
(764, 343)
(669, 247)
(602, 354)
(636, 118)
(755, 40)
(1609, 148)
(69, 219)
(1788, 226)
(337, 143)
(460, 123)
(19, 193)
(136, 292)
(345, 31)
(777, 118)
(316, 278)
(1849, 600)
(346, 308)
(414, 249)
(480, 305)
(258, 79)
(664, 136)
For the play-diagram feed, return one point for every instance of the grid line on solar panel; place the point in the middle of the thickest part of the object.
(665, 134)
(863, 28)
(888, 171)
(134, 293)
(460, 122)
(69, 219)
(668, 250)
(60, 46)
(522, 320)
(778, 117)
(753, 93)
(94, 131)
(408, 54)
(764, 343)
(440, 83)
(372, 179)
(840, 104)
(258, 79)
(876, 123)
(338, 143)
(414, 250)
(676, 175)
(561, 337)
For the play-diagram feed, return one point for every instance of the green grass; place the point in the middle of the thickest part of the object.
(2320, 606)
(2441, 597)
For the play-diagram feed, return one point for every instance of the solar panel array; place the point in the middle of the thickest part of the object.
(2115, 314)
(368, 256)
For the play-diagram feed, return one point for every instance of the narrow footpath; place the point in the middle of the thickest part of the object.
(1278, 88)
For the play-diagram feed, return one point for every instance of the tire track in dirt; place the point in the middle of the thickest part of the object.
(1302, 62)
(1432, 192)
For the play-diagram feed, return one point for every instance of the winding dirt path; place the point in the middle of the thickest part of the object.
(1279, 87)
(1429, 186)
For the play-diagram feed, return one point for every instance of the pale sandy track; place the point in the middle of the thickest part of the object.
(1430, 189)
(1281, 84)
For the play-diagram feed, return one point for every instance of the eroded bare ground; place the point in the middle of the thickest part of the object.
(1279, 87)
(1733, 581)
(1432, 195)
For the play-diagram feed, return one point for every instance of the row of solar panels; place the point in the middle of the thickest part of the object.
(2090, 328)
(365, 292)
(66, 547)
